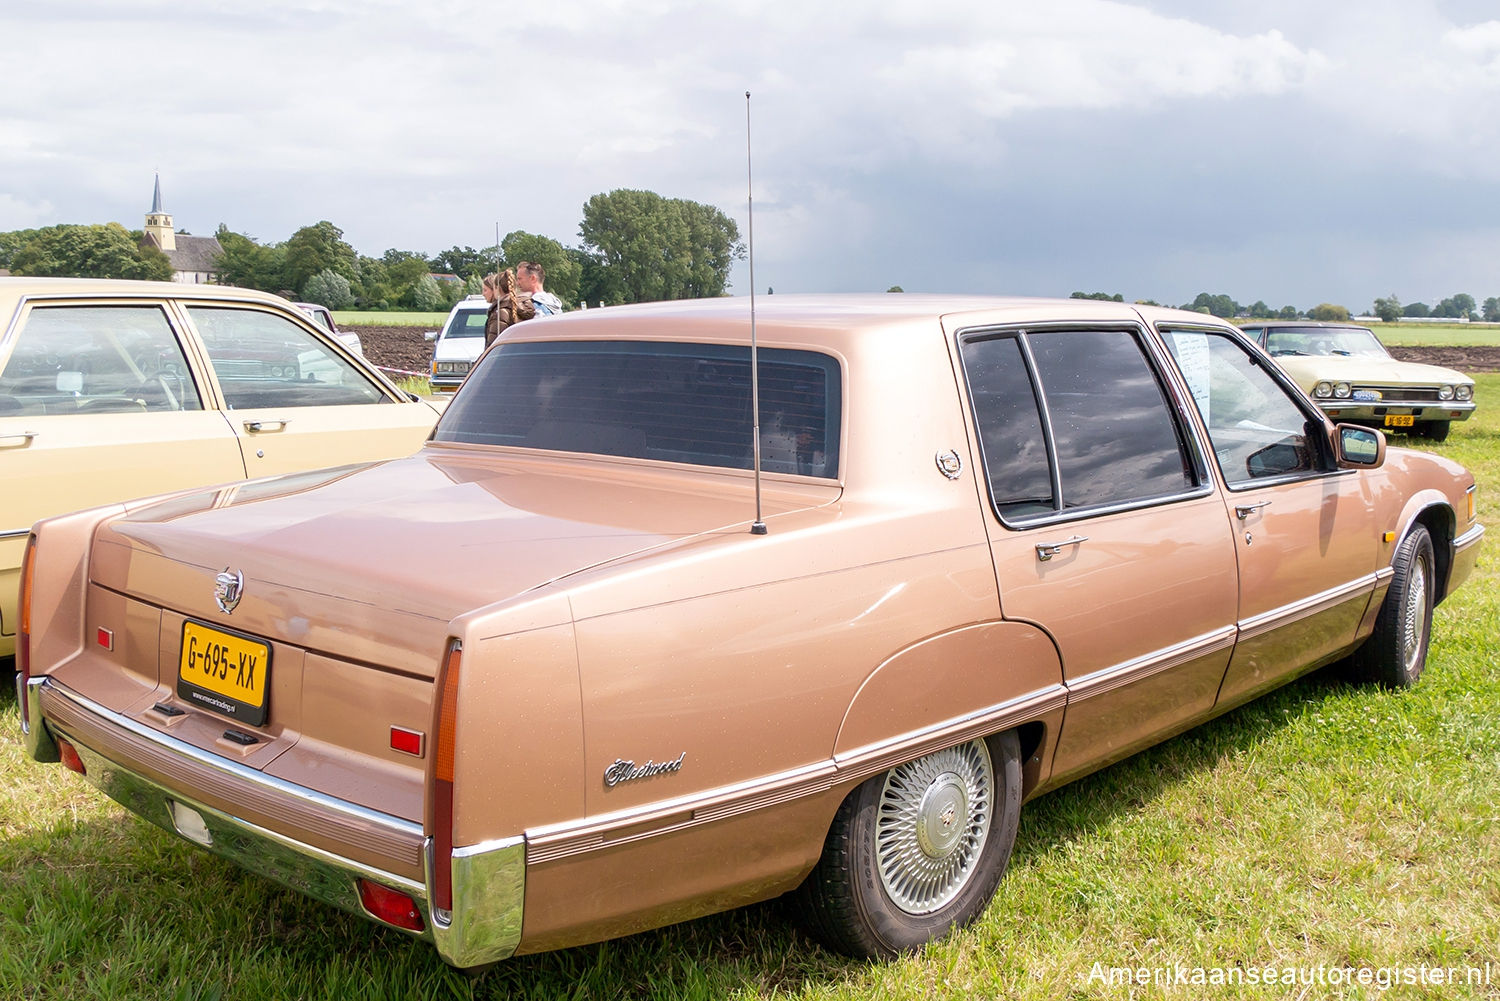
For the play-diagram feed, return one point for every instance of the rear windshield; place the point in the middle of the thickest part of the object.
(650, 400)
(468, 323)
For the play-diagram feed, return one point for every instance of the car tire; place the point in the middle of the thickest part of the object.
(916, 851)
(1436, 430)
(1396, 652)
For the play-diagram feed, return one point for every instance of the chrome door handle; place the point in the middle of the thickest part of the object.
(25, 437)
(256, 427)
(1243, 511)
(1046, 550)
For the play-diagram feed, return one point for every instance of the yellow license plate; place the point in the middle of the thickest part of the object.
(1399, 420)
(225, 672)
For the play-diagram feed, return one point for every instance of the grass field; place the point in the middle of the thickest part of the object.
(356, 318)
(1322, 826)
(1436, 335)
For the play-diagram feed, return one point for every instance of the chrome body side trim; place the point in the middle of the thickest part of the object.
(1110, 678)
(577, 837)
(12, 533)
(1311, 605)
(1469, 539)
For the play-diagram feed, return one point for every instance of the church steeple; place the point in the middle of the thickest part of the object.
(159, 223)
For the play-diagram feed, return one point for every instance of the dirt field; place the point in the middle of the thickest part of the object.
(403, 348)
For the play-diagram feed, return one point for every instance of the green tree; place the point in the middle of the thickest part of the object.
(1328, 312)
(1101, 296)
(1288, 313)
(329, 288)
(1388, 309)
(12, 242)
(1492, 309)
(1260, 311)
(426, 296)
(1457, 307)
(660, 248)
(561, 269)
(597, 284)
(98, 251)
(246, 264)
(1219, 305)
(319, 247)
(1418, 309)
(894, 288)
(466, 262)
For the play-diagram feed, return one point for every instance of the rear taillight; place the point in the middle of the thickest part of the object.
(70, 758)
(23, 634)
(391, 906)
(442, 789)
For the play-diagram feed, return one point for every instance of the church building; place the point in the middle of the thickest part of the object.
(192, 257)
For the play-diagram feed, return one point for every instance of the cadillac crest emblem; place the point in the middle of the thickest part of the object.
(228, 587)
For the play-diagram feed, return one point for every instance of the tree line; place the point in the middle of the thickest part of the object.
(637, 246)
(1389, 309)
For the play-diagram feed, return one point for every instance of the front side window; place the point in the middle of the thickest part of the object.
(675, 402)
(265, 360)
(96, 359)
(1257, 430)
(1072, 419)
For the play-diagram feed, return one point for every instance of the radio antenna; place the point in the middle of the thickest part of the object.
(758, 526)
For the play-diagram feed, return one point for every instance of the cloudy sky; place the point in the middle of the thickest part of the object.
(1294, 151)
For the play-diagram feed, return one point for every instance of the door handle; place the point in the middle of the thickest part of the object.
(257, 427)
(25, 437)
(1046, 550)
(1243, 511)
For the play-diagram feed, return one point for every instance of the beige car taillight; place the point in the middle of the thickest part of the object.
(23, 634)
(442, 790)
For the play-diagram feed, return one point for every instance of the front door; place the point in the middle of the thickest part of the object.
(1305, 532)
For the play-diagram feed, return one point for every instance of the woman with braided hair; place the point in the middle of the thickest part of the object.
(506, 305)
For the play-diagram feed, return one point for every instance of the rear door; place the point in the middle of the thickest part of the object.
(297, 400)
(98, 404)
(1105, 528)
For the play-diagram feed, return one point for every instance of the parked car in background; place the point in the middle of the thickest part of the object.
(321, 316)
(994, 545)
(1353, 378)
(458, 344)
(112, 390)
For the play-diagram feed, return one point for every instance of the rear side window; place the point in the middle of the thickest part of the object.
(675, 402)
(265, 360)
(1072, 419)
(96, 359)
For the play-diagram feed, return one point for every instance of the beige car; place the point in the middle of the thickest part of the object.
(1353, 378)
(994, 545)
(115, 389)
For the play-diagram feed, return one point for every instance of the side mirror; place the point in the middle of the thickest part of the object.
(430, 335)
(1359, 447)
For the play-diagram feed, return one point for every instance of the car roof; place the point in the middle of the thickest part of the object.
(14, 288)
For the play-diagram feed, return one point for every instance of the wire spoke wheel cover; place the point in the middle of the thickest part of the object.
(1414, 617)
(932, 822)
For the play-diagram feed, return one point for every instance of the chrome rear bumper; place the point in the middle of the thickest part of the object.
(136, 766)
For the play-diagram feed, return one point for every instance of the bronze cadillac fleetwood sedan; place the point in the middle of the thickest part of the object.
(578, 692)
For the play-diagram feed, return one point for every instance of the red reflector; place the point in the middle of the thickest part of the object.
(406, 740)
(70, 758)
(390, 906)
(106, 638)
